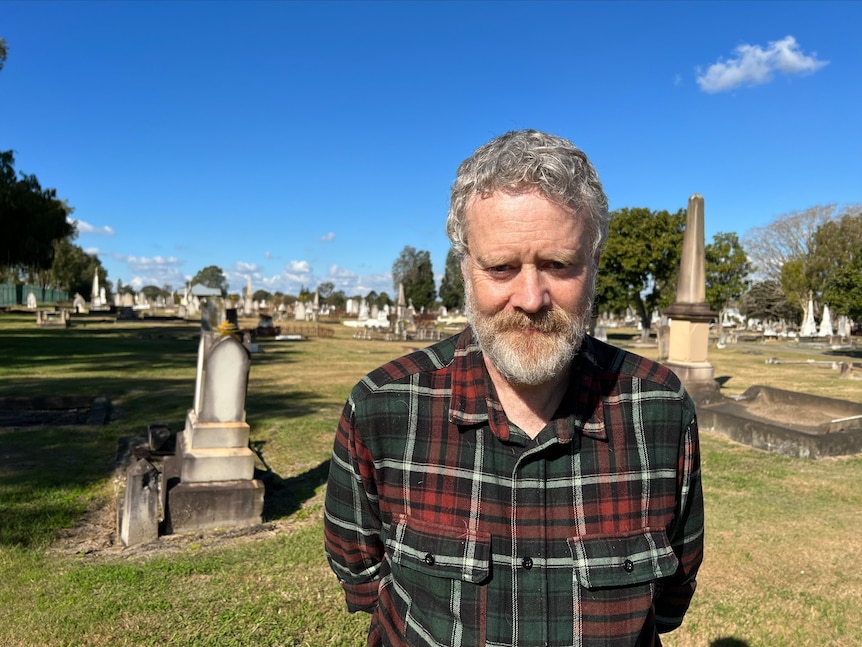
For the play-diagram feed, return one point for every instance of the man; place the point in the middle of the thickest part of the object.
(521, 483)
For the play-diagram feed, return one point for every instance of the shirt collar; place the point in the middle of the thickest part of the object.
(474, 400)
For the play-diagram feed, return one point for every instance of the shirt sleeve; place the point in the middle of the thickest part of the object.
(351, 516)
(686, 536)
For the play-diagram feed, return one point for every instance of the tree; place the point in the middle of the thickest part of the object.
(836, 246)
(153, 292)
(452, 284)
(727, 269)
(413, 269)
(379, 300)
(640, 262)
(32, 219)
(3, 52)
(844, 291)
(766, 300)
(261, 295)
(73, 269)
(305, 295)
(325, 290)
(212, 276)
(337, 299)
(788, 237)
(802, 250)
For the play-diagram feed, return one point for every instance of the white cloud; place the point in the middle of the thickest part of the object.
(245, 268)
(754, 65)
(87, 228)
(298, 267)
(156, 270)
(328, 237)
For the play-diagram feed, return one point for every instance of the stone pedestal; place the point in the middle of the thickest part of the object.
(222, 504)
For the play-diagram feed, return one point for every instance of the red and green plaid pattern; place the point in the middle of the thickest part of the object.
(453, 528)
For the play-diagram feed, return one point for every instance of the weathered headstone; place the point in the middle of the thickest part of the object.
(139, 522)
(212, 474)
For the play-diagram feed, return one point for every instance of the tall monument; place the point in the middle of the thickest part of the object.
(690, 315)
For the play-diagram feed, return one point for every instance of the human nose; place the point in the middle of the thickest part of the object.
(529, 292)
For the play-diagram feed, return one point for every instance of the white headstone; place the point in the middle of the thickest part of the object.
(826, 323)
(809, 327)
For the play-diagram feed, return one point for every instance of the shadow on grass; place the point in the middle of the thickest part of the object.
(728, 642)
(855, 354)
(287, 496)
(45, 476)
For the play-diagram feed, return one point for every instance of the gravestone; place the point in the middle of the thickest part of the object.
(78, 304)
(139, 518)
(826, 323)
(690, 315)
(211, 477)
(809, 326)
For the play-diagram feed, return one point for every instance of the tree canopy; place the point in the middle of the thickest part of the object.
(806, 252)
(727, 270)
(212, 276)
(413, 269)
(73, 269)
(788, 237)
(452, 284)
(836, 263)
(640, 261)
(766, 300)
(32, 219)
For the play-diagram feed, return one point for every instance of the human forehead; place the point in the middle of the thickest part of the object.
(525, 219)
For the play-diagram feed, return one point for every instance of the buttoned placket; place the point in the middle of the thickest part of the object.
(529, 545)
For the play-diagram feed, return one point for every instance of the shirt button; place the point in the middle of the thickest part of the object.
(527, 563)
(429, 559)
(629, 566)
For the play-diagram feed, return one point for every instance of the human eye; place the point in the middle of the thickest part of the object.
(563, 268)
(499, 270)
(557, 266)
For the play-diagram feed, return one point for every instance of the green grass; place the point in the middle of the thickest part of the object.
(783, 548)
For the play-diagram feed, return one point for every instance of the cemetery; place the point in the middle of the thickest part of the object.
(148, 375)
(174, 455)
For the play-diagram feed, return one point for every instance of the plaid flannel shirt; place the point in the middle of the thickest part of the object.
(451, 527)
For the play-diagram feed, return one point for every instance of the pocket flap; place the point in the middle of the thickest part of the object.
(608, 561)
(440, 551)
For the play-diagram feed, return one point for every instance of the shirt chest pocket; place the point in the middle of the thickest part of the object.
(628, 560)
(436, 550)
(435, 591)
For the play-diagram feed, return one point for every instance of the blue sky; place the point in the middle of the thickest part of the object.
(297, 143)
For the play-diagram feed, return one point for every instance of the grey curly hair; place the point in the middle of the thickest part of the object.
(529, 160)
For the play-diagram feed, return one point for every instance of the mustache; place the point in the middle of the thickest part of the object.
(551, 321)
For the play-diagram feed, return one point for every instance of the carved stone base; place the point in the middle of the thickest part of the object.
(200, 506)
(698, 379)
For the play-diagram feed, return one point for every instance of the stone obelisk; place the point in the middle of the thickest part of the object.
(690, 315)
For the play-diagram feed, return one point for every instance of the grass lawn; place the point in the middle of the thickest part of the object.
(783, 535)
